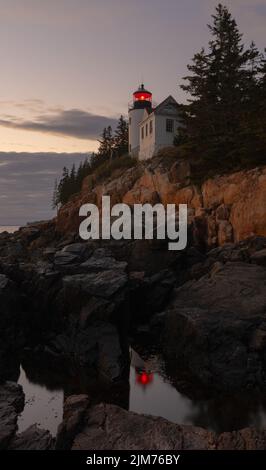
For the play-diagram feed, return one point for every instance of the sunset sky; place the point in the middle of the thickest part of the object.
(69, 67)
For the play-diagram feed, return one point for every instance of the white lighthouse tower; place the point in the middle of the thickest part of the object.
(142, 100)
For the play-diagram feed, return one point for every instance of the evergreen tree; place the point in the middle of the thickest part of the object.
(56, 196)
(120, 141)
(72, 186)
(258, 114)
(79, 175)
(110, 147)
(106, 144)
(222, 88)
(63, 187)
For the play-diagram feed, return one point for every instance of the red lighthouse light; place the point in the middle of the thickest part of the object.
(142, 96)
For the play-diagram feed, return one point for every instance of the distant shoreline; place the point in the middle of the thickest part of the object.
(9, 228)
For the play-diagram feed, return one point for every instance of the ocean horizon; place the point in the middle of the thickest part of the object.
(9, 228)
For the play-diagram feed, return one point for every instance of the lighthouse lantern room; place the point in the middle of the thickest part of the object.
(142, 99)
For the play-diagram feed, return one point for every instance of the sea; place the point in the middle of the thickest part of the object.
(8, 228)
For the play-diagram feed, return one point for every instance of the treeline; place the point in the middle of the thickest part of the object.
(112, 146)
(224, 122)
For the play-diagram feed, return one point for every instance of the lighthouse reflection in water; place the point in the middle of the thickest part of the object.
(152, 394)
(143, 375)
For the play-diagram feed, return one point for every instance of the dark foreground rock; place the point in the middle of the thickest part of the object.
(109, 427)
(8, 426)
(32, 438)
(216, 326)
(95, 347)
(75, 408)
(9, 320)
(11, 404)
(11, 394)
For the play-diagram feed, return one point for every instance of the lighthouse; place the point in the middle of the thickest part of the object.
(142, 100)
(152, 128)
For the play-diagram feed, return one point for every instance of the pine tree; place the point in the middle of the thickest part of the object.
(258, 112)
(198, 116)
(110, 147)
(120, 141)
(106, 144)
(221, 87)
(109, 142)
(55, 198)
(63, 187)
(72, 186)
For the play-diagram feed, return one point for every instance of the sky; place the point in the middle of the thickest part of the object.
(69, 67)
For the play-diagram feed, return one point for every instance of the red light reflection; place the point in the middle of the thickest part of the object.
(144, 378)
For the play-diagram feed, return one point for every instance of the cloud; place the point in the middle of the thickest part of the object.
(69, 123)
(27, 182)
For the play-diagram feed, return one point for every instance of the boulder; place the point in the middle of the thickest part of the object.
(96, 309)
(97, 264)
(215, 327)
(79, 249)
(109, 427)
(245, 439)
(66, 262)
(99, 347)
(11, 404)
(32, 438)
(7, 296)
(237, 287)
(102, 284)
(8, 425)
(259, 257)
(75, 407)
(10, 333)
(11, 394)
(96, 347)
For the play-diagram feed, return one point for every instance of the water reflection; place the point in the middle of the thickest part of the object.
(43, 406)
(143, 375)
(152, 393)
(147, 391)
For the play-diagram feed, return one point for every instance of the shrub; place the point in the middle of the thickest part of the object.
(106, 170)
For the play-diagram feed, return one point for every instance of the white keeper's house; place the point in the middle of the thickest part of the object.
(151, 129)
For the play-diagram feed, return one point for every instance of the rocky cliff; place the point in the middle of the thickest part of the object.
(224, 209)
(80, 305)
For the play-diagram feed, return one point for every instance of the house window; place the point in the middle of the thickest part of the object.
(169, 125)
(142, 132)
(146, 130)
(151, 126)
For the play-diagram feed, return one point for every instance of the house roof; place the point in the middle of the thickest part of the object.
(169, 100)
(161, 108)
